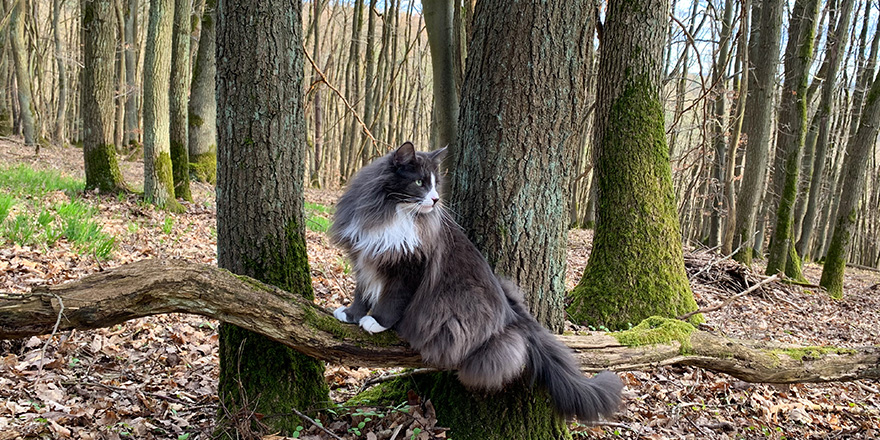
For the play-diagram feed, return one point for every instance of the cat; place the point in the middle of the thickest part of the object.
(418, 273)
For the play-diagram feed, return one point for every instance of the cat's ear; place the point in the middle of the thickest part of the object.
(437, 155)
(404, 154)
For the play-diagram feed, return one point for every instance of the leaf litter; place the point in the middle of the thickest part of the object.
(156, 377)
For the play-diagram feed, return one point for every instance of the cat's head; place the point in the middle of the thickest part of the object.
(413, 177)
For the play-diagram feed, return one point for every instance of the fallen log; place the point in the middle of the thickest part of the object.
(151, 287)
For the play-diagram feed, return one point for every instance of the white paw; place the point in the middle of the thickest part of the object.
(369, 324)
(340, 314)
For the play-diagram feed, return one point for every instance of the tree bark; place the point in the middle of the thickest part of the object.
(791, 134)
(98, 89)
(837, 41)
(6, 125)
(438, 16)
(22, 75)
(132, 128)
(854, 168)
(61, 112)
(151, 287)
(179, 98)
(759, 108)
(203, 102)
(720, 125)
(158, 175)
(636, 268)
(260, 227)
(523, 98)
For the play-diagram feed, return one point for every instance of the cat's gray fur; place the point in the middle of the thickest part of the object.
(418, 273)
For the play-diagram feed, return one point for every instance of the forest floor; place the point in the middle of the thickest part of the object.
(157, 377)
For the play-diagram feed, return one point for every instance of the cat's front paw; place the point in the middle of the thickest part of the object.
(340, 314)
(369, 324)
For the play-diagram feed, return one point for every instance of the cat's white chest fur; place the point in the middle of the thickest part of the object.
(401, 234)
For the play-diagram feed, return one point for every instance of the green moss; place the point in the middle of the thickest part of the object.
(203, 167)
(258, 373)
(636, 269)
(102, 169)
(520, 412)
(195, 120)
(657, 330)
(165, 184)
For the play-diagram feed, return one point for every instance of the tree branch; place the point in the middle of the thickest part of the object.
(151, 287)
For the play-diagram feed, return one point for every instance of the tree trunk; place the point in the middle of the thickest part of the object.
(836, 45)
(519, 222)
(260, 228)
(318, 106)
(742, 91)
(119, 122)
(438, 16)
(179, 97)
(6, 126)
(636, 268)
(864, 73)
(61, 112)
(854, 167)
(349, 157)
(158, 177)
(203, 102)
(720, 125)
(367, 149)
(156, 286)
(759, 108)
(22, 75)
(98, 89)
(791, 134)
(132, 128)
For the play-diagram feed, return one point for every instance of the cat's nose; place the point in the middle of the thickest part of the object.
(435, 199)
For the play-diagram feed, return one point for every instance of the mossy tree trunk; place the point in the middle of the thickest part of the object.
(97, 92)
(523, 98)
(756, 125)
(837, 41)
(791, 135)
(441, 37)
(636, 268)
(260, 229)
(20, 69)
(854, 168)
(203, 102)
(158, 176)
(178, 99)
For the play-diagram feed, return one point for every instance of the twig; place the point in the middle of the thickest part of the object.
(310, 420)
(341, 96)
(387, 377)
(396, 431)
(51, 336)
(731, 299)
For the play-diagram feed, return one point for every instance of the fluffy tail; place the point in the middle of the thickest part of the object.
(552, 365)
(548, 362)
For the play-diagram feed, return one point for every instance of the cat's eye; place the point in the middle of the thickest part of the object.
(419, 182)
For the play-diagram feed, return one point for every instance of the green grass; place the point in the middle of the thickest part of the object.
(6, 202)
(25, 189)
(318, 217)
(22, 180)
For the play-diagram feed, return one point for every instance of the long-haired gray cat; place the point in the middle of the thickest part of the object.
(418, 273)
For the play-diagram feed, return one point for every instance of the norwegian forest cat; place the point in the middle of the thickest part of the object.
(419, 274)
